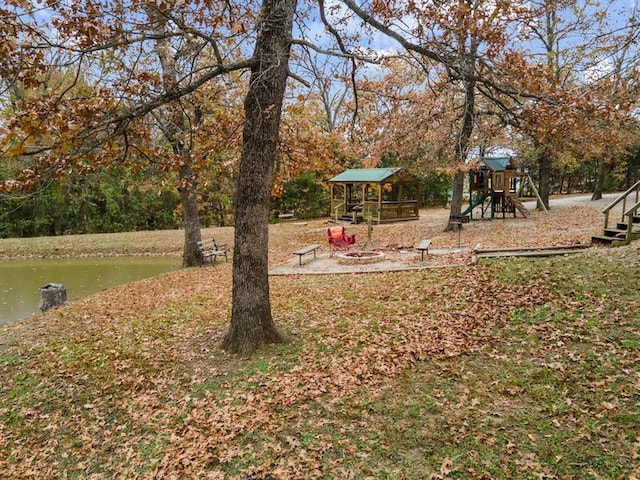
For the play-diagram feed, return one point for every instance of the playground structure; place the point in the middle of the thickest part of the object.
(493, 188)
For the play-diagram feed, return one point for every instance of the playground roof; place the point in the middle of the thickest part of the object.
(371, 175)
(497, 164)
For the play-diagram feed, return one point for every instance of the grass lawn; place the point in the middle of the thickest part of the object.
(512, 369)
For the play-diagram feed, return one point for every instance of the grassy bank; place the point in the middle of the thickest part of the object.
(163, 242)
(511, 369)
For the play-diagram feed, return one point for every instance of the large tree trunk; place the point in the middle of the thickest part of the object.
(544, 164)
(174, 128)
(462, 149)
(190, 215)
(458, 191)
(251, 322)
(597, 189)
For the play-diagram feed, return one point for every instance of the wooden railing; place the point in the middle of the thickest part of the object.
(387, 211)
(623, 198)
(403, 209)
(336, 209)
(628, 214)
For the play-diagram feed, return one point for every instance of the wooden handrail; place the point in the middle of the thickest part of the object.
(621, 198)
(632, 210)
(335, 209)
(629, 214)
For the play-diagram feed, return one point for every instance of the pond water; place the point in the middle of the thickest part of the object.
(20, 280)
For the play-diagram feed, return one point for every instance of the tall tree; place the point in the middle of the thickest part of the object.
(617, 80)
(462, 37)
(251, 320)
(119, 40)
(177, 126)
(562, 37)
(485, 50)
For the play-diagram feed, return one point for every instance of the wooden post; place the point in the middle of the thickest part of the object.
(52, 295)
(369, 243)
(379, 202)
(535, 190)
(458, 226)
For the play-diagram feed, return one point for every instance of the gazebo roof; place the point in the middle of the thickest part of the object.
(370, 175)
(497, 164)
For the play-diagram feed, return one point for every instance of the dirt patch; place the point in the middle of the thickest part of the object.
(394, 260)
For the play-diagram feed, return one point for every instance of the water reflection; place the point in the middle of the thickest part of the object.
(20, 280)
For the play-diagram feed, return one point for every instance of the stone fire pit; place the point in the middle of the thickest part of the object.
(360, 257)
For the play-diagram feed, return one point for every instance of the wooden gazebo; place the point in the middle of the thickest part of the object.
(380, 194)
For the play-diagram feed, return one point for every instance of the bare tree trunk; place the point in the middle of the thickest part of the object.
(456, 199)
(462, 149)
(190, 215)
(597, 189)
(174, 128)
(561, 181)
(544, 189)
(251, 321)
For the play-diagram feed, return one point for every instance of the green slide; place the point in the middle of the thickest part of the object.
(477, 202)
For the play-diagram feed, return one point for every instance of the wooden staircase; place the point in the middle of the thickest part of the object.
(350, 218)
(628, 228)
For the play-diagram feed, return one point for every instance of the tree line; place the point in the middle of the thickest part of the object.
(116, 200)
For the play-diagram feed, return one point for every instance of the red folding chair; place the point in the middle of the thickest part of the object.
(339, 239)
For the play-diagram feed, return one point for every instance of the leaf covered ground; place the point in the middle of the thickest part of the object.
(514, 368)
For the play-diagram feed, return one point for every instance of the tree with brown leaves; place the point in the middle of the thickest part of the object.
(251, 321)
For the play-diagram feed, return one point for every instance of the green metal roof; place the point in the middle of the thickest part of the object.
(369, 175)
(497, 164)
